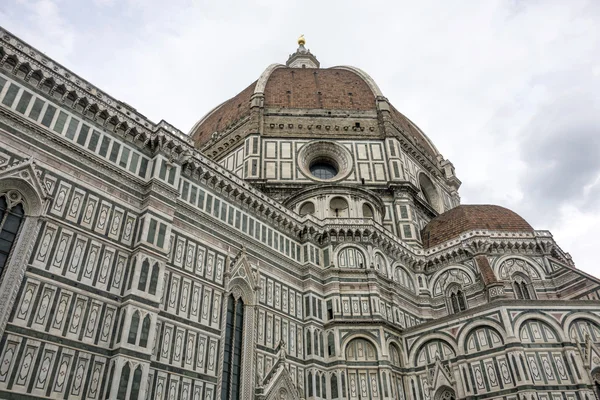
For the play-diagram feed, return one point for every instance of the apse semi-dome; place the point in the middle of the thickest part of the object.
(464, 218)
(281, 88)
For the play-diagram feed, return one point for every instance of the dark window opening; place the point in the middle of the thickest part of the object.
(323, 170)
(10, 224)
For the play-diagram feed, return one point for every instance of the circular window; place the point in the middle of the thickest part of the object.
(324, 161)
(323, 169)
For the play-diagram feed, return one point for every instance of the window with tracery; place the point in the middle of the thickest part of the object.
(12, 216)
(457, 300)
(232, 357)
(521, 287)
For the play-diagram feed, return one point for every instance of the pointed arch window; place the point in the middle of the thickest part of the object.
(11, 220)
(232, 356)
(133, 328)
(153, 279)
(457, 300)
(521, 287)
(135, 384)
(145, 331)
(144, 276)
(334, 386)
(123, 382)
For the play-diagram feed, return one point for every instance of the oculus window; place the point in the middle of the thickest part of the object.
(323, 170)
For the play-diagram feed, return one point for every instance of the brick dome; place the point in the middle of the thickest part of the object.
(463, 218)
(338, 88)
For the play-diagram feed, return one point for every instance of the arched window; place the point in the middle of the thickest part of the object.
(135, 385)
(330, 344)
(308, 343)
(145, 331)
(395, 355)
(307, 208)
(367, 211)
(133, 328)
(317, 385)
(11, 219)
(316, 342)
(309, 384)
(380, 264)
(521, 287)
(232, 358)
(153, 279)
(144, 276)
(338, 208)
(351, 257)
(334, 386)
(123, 382)
(324, 385)
(429, 191)
(457, 301)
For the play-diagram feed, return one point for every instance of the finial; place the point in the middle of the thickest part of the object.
(301, 40)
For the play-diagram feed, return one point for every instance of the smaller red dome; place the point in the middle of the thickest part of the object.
(463, 218)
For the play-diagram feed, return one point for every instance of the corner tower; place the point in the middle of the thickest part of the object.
(326, 143)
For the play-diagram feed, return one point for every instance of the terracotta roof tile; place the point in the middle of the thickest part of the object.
(463, 218)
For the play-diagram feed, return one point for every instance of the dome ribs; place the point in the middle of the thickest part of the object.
(318, 89)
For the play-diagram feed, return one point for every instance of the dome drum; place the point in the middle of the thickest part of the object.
(334, 201)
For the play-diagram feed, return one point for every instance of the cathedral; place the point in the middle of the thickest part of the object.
(304, 240)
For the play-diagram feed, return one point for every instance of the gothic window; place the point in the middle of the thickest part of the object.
(321, 347)
(145, 331)
(334, 386)
(521, 287)
(457, 301)
(11, 219)
(338, 208)
(135, 385)
(395, 355)
(317, 385)
(403, 278)
(232, 358)
(331, 344)
(429, 191)
(367, 211)
(123, 382)
(308, 343)
(153, 279)
(380, 264)
(324, 386)
(316, 342)
(307, 208)
(133, 328)
(144, 275)
(343, 384)
(309, 384)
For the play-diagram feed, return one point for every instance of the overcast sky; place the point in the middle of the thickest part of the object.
(509, 91)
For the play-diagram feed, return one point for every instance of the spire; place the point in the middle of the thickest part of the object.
(302, 58)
